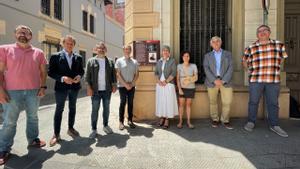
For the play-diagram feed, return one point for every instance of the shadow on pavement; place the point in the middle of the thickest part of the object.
(29, 160)
(80, 146)
(140, 131)
(263, 148)
(114, 139)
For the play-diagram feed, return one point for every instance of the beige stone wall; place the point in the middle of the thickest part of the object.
(140, 20)
(144, 103)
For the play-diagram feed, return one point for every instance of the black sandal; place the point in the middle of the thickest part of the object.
(166, 125)
(161, 122)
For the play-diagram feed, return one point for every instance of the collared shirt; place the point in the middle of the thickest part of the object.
(128, 69)
(264, 61)
(68, 57)
(22, 66)
(218, 55)
(162, 78)
(101, 74)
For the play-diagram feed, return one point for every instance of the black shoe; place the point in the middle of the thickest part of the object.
(73, 133)
(214, 124)
(131, 124)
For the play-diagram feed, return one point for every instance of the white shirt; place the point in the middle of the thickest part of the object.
(69, 58)
(101, 74)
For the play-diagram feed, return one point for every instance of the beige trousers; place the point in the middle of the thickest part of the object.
(226, 98)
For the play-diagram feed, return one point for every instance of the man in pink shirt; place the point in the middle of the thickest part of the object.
(22, 83)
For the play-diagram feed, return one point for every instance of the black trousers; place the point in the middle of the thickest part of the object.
(126, 96)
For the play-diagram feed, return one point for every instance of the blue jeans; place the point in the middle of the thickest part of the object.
(96, 100)
(60, 98)
(19, 100)
(271, 92)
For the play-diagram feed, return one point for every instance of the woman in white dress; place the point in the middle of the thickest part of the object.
(166, 100)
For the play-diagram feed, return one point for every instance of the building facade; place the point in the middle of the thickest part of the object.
(189, 25)
(50, 20)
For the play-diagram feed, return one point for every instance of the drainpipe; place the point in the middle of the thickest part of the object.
(70, 17)
(161, 23)
(266, 6)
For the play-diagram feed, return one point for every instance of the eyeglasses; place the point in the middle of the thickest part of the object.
(263, 31)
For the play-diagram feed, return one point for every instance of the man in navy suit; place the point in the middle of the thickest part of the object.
(66, 68)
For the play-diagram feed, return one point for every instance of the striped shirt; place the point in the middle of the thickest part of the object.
(264, 60)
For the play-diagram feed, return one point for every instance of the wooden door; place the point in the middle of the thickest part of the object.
(292, 42)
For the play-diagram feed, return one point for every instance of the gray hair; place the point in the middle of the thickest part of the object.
(263, 26)
(69, 37)
(215, 38)
(23, 27)
(166, 47)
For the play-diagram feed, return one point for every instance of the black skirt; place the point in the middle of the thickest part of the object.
(188, 93)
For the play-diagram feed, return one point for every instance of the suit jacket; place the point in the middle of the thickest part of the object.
(92, 71)
(226, 69)
(58, 67)
(169, 69)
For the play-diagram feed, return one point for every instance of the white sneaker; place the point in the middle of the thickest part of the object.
(279, 131)
(93, 134)
(249, 126)
(107, 130)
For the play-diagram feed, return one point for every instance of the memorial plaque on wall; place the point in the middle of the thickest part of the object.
(140, 52)
(146, 52)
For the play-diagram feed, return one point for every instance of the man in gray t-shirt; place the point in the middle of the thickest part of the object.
(127, 74)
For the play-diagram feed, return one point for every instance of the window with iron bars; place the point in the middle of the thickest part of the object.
(45, 7)
(58, 9)
(199, 21)
(85, 20)
(92, 25)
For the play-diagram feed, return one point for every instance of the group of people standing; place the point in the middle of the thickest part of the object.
(23, 76)
(218, 70)
(262, 60)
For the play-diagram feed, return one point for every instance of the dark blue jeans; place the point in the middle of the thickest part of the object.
(126, 96)
(60, 98)
(96, 100)
(271, 92)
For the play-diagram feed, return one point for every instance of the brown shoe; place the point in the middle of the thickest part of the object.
(73, 133)
(37, 143)
(214, 124)
(54, 140)
(228, 126)
(4, 157)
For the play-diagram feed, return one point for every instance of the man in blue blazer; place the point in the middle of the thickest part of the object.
(66, 68)
(218, 70)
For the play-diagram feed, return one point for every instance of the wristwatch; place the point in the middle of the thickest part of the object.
(43, 87)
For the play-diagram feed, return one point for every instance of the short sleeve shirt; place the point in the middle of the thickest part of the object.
(22, 67)
(187, 72)
(128, 68)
